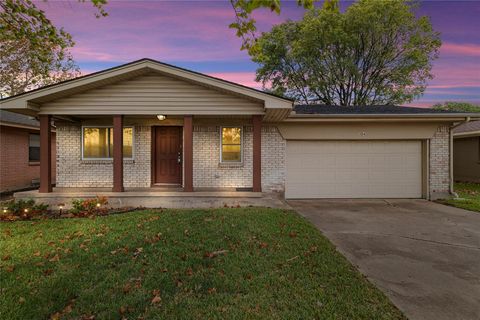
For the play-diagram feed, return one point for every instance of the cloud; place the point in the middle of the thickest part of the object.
(466, 49)
(243, 78)
(165, 30)
(91, 54)
(195, 35)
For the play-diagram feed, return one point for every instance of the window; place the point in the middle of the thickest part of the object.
(34, 147)
(98, 142)
(231, 144)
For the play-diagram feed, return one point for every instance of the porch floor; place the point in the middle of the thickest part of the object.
(158, 197)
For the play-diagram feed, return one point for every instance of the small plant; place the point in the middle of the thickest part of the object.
(88, 207)
(22, 210)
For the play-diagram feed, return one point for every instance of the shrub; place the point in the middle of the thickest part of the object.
(22, 210)
(87, 207)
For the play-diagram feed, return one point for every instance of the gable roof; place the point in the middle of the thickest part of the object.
(29, 102)
(139, 61)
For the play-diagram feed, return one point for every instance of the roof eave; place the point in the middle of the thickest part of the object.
(467, 134)
(448, 117)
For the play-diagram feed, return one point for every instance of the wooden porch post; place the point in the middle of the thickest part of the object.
(45, 154)
(118, 153)
(257, 153)
(188, 153)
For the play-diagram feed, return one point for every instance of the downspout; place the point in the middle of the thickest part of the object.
(467, 119)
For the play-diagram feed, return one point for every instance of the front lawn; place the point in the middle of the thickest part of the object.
(199, 264)
(469, 196)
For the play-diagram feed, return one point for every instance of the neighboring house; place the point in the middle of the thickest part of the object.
(466, 152)
(20, 151)
(175, 127)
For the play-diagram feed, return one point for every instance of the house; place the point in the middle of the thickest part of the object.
(20, 152)
(466, 152)
(137, 129)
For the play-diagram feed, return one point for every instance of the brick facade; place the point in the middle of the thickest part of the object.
(16, 172)
(440, 162)
(72, 171)
(208, 172)
(273, 160)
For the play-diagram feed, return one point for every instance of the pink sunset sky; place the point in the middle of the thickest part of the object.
(195, 35)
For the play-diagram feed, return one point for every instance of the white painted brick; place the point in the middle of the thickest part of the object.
(209, 172)
(440, 161)
(72, 171)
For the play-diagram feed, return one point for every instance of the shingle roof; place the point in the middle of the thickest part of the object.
(468, 127)
(16, 118)
(326, 109)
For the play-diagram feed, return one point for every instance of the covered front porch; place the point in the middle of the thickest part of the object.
(183, 153)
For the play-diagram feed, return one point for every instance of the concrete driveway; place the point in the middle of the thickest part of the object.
(424, 256)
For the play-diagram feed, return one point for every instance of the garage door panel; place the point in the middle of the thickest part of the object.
(308, 176)
(354, 169)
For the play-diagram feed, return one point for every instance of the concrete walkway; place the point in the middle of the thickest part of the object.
(424, 256)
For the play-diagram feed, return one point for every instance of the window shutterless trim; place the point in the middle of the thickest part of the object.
(30, 160)
(124, 158)
(241, 145)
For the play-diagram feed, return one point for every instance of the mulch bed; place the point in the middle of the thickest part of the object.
(64, 214)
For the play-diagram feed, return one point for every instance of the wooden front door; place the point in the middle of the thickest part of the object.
(167, 155)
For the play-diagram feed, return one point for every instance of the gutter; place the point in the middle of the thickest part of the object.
(294, 115)
(453, 126)
(423, 117)
(466, 134)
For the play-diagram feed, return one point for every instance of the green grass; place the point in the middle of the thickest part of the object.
(277, 266)
(469, 196)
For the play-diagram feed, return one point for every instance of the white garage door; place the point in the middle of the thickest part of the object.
(353, 169)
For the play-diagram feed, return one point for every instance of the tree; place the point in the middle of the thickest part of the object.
(376, 52)
(457, 106)
(244, 22)
(33, 52)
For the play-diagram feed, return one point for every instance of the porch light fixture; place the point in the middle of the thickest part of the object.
(5, 209)
(98, 204)
(161, 117)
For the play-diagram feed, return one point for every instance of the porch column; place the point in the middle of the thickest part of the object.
(257, 153)
(45, 154)
(188, 153)
(117, 153)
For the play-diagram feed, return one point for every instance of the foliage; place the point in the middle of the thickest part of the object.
(457, 106)
(88, 207)
(244, 22)
(469, 196)
(33, 52)
(376, 52)
(246, 263)
(22, 210)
